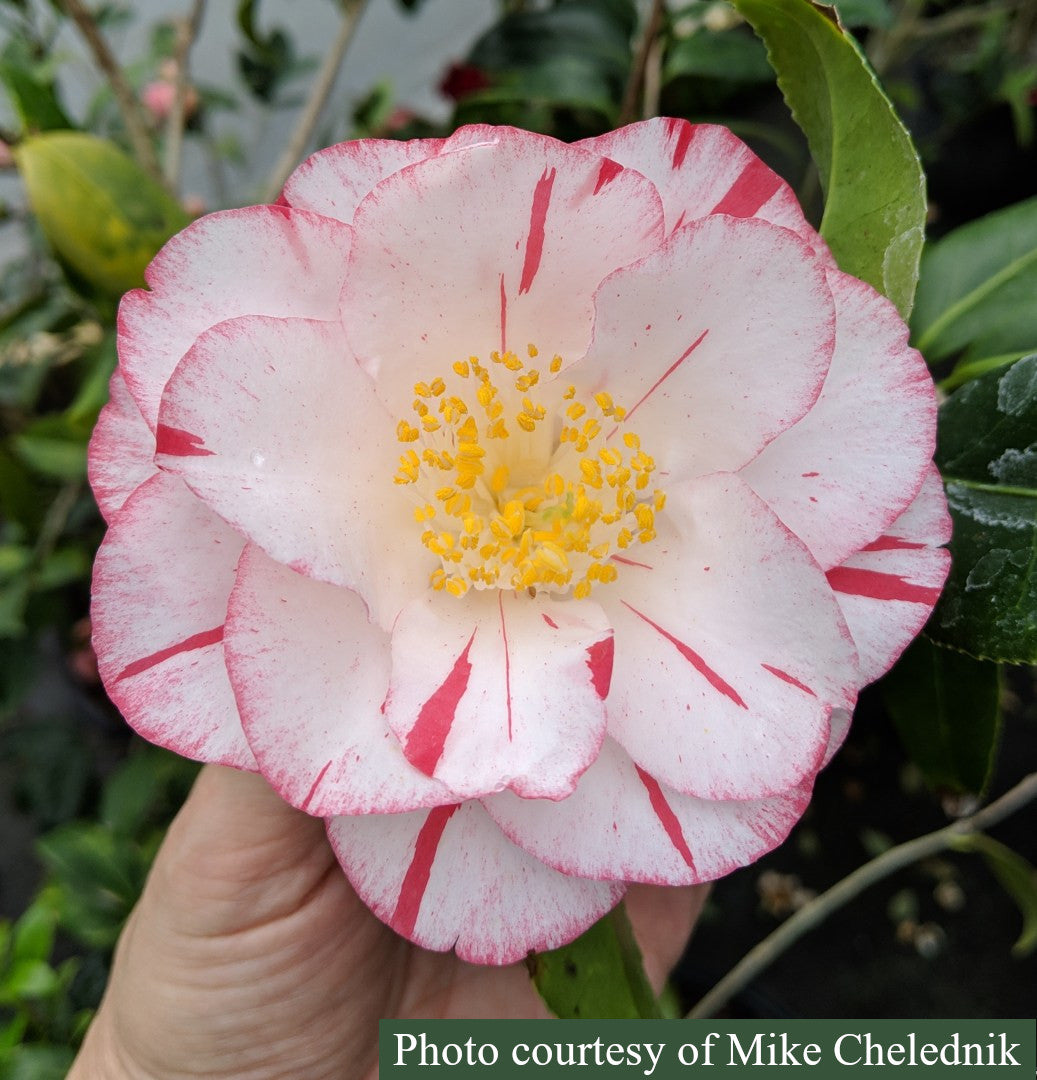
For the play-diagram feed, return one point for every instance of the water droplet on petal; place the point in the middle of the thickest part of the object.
(257, 459)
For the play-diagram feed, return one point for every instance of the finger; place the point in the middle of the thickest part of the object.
(236, 856)
(663, 918)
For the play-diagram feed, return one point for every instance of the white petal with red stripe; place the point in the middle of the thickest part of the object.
(449, 879)
(702, 169)
(333, 181)
(730, 648)
(499, 690)
(632, 828)
(715, 344)
(161, 582)
(310, 675)
(855, 461)
(262, 260)
(494, 246)
(888, 590)
(122, 450)
(272, 423)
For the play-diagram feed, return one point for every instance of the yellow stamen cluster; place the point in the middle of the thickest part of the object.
(514, 493)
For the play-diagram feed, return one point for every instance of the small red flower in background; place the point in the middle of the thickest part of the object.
(533, 512)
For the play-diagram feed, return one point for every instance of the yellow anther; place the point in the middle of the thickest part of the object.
(591, 471)
(604, 402)
(456, 586)
(624, 537)
(430, 423)
(582, 589)
(608, 573)
(419, 407)
(554, 484)
(556, 365)
(406, 433)
(619, 413)
(511, 362)
(461, 368)
(514, 515)
(458, 505)
(437, 386)
(570, 393)
(575, 411)
(591, 429)
(610, 456)
(532, 351)
(486, 393)
(499, 479)
(494, 410)
(644, 515)
(469, 450)
(659, 499)
(599, 552)
(553, 556)
(468, 431)
(527, 423)
(497, 430)
(646, 535)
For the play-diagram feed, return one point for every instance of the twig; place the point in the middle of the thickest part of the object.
(635, 83)
(318, 97)
(186, 32)
(818, 909)
(129, 106)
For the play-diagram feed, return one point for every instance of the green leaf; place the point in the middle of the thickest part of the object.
(727, 54)
(27, 980)
(149, 784)
(98, 877)
(1017, 877)
(38, 1062)
(977, 287)
(31, 88)
(946, 708)
(987, 452)
(102, 214)
(870, 173)
(598, 975)
(32, 937)
(575, 54)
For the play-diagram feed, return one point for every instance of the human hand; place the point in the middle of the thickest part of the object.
(250, 956)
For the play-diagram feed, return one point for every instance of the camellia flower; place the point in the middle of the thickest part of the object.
(533, 512)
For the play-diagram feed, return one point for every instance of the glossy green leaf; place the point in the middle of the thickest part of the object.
(728, 54)
(98, 878)
(32, 936)
(32, 1062)
(575, 55)
(27, 980)
(870, 173)
(31, 88)
(987, 452)
(103, 215)
(598, 975)
(977, 289)
(148, 782)
(1017, 877)
(946, 708)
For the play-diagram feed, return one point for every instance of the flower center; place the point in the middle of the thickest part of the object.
(521, 494)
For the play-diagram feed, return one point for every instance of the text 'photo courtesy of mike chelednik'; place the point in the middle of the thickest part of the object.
(661, 1048)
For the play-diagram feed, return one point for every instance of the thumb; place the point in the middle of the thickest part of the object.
(236, 856)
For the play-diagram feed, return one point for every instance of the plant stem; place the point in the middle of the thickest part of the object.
(129, 107)
(186, 32)
(318, 97)
(817, 910)
(628, 111)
